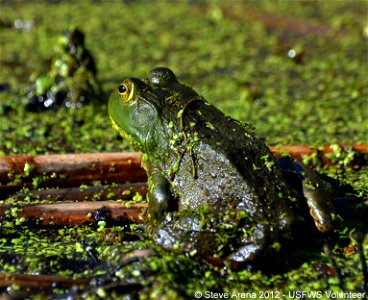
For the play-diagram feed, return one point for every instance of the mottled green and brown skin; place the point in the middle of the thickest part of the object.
(213, 187)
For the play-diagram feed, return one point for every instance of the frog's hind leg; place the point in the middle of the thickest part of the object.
(320, 205)
(322, 211)
(308, 183)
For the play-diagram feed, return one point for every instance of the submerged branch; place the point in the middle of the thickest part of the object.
(72, 170)
(39, 280)
(77, 194)
(75, 213)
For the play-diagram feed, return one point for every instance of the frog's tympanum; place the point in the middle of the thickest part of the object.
(71, 79)
(214, 188)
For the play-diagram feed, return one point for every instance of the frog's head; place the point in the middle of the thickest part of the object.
(70, 41)
(133, 111)
(142, 109)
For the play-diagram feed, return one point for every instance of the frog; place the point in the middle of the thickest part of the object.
(214, 189)
(71, 80)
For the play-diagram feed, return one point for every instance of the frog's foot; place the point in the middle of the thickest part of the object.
(246, 253)
(166, 238)
(136, 255)
(175, 232)
(252, 246)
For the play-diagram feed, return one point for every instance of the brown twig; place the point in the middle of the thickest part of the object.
(65, 170)
(282, 22)
(101, 193)
(298, 152)
(75, 167)
(39, 280)
(78, 213)
(69, 170)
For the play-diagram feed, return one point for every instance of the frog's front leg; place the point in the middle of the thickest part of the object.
(160, 199)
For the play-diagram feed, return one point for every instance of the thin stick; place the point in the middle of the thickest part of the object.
(101, 193)
(78, 213)
(70, 169)
(65, 170)
(99, 165)
(39, 280)
(327, 249)
(282, 22)
(298, 152)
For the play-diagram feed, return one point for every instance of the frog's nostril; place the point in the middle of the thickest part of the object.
(122, 89)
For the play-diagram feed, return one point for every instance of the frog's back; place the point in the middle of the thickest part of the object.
(233, 169)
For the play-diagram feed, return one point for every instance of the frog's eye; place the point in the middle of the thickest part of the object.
(125, 90)
(122, 89)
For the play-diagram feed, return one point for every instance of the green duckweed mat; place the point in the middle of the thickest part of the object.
(297, 71)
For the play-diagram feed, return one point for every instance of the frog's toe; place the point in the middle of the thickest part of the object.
(246, 253)
(251, 247)
(167, 238)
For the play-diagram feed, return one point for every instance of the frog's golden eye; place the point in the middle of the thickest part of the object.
(125, 91)
(122, 89)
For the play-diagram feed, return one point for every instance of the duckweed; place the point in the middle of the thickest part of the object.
(306, 87)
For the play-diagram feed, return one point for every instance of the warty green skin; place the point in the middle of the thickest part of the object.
(213, 187)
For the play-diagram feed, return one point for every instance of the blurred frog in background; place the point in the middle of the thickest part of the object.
(71, 79)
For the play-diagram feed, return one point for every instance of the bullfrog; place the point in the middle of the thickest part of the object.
(71, 78)
(213, 187)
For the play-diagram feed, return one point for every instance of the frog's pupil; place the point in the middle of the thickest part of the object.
(122, 89)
